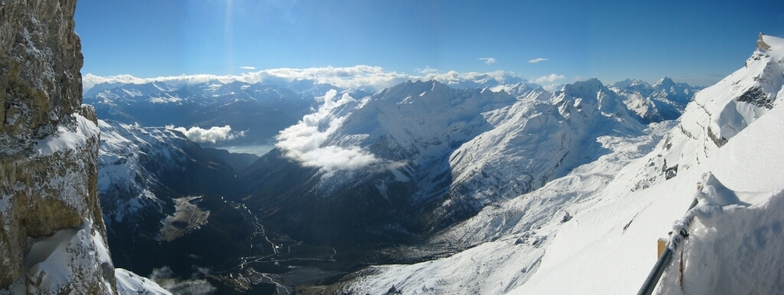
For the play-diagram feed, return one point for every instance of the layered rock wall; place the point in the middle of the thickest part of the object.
(52, 238)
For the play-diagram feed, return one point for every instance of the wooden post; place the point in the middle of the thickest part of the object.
(662, 243)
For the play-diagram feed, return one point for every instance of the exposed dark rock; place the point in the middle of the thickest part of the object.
(757, 97)
(761, 45)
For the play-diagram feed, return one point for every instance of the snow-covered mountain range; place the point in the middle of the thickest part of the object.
(366, 172)
(594, 230)
(662, 100)
(431, 152)
(482, 186)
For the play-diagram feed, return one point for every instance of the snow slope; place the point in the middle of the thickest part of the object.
(739, 244)
(507, 240)
(618, 239)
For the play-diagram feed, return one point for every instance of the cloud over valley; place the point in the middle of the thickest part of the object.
(305, 140)
(213, 135)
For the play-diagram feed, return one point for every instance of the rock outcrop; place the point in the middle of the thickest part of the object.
(52, 238)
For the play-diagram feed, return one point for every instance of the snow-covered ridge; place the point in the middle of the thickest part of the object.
(123, 178)
(718, 113)
(732, 249)
(536, 140)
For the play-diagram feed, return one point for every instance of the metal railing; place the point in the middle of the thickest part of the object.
(664, 259)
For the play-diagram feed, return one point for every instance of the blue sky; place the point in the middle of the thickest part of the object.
(697, 42)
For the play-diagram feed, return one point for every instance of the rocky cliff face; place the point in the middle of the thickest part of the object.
(40, 59)
(52, 238)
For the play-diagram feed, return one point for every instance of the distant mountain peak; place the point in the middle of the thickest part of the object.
(667, 84)
(583, 89)
(664, 82)
(630, 83)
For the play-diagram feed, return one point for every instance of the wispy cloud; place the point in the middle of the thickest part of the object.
(212, 135)
(488, 60)
(426, 70)
(247, 68)
(537, 60)
(547, 79)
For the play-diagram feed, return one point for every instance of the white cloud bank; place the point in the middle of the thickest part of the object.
(303, 141)
(344, 77)
(356, 77)
(537, 60)
(488, 60)
(212, 135)
(547, 79)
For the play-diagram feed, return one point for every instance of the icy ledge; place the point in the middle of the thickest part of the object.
(74, 138)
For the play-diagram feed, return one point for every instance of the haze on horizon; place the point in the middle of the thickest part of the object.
(553, 42)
